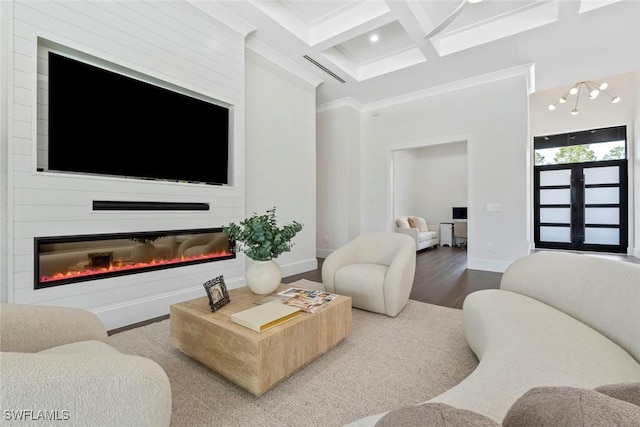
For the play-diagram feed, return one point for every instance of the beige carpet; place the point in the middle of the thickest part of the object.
(385, 363)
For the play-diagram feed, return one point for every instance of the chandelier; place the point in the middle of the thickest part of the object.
(593, 89)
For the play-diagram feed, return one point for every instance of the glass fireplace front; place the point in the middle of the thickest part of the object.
(71, 259)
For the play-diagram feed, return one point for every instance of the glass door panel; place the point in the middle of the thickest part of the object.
(555, 196)
(555, 234)
(601, 236)
(581, 206)
(600, 195)
(555, 177)
(609, 216)
(602, 175)
(557, 215)
(553, 206)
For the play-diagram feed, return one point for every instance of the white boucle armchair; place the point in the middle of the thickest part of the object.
(56, 364)
(375, 269)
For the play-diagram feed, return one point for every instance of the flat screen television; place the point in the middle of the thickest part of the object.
(103, 122)
(459, 213)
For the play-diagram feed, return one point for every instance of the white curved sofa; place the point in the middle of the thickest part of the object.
(424, 236)
(558, 319)
(56, 362)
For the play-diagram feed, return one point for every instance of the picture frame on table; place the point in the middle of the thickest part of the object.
(217, 293)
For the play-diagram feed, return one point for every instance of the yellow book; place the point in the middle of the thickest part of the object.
(265, 316)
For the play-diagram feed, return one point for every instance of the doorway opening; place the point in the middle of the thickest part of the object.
(428, 181)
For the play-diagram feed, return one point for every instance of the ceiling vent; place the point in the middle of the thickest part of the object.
(325, 69)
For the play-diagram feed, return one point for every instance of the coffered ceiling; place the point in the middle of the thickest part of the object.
(372, 50)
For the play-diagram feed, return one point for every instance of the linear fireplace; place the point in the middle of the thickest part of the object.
(70, 259)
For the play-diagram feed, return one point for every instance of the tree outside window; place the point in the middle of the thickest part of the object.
(614, 150)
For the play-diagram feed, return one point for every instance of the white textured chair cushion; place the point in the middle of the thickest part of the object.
(402, 222)
(96, 389)
(59, 358)
(602, 293)
(523, 343)
(427, 235)
(86, 347)
(54, 325)
(364, 284)
(423, 224)
(375, 251)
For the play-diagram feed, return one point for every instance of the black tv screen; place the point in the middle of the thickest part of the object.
(102, 122)
(459, 212)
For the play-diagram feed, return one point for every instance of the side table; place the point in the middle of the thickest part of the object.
(446, 234)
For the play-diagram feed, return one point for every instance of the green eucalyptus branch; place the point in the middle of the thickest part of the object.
(259, 236)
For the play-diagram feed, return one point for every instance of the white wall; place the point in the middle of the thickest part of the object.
(5, 63)
(280, 154)
(405, 182)
(635, 201)
(170, 41)
(339, 183)
(599, 113)
(493, 119)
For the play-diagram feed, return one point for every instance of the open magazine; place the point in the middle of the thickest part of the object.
(306, 300)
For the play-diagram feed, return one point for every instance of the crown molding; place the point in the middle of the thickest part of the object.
(342, 102)
(526, 70)
(224, 16)
(267, 52)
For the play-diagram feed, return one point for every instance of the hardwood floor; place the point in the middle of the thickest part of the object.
(441, 278)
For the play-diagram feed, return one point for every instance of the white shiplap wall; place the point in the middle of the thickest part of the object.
(170, 41)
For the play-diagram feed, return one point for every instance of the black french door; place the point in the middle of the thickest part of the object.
(581, 206)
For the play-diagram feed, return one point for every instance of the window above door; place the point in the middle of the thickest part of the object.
(593, 145)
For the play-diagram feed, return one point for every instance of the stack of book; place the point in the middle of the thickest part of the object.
(265, 316)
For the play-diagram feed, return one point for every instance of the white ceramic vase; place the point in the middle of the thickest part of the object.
(263, 277)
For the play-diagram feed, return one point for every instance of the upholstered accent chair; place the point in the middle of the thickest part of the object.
(56, 363)
(375, 269)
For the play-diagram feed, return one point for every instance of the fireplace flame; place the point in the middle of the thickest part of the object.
(116, 266)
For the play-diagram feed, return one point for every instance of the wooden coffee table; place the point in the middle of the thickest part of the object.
(256, 361)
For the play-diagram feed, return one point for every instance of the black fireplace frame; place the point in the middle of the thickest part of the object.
(38, 241)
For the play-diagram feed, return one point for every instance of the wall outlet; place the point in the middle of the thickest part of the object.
(325, 238)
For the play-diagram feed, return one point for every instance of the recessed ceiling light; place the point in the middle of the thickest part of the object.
(374, 38)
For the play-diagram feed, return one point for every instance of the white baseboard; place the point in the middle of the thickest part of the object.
(323, 253)
(139, 310)
(636, 253)
(127, 313)
(487, 265)
(299, 267)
